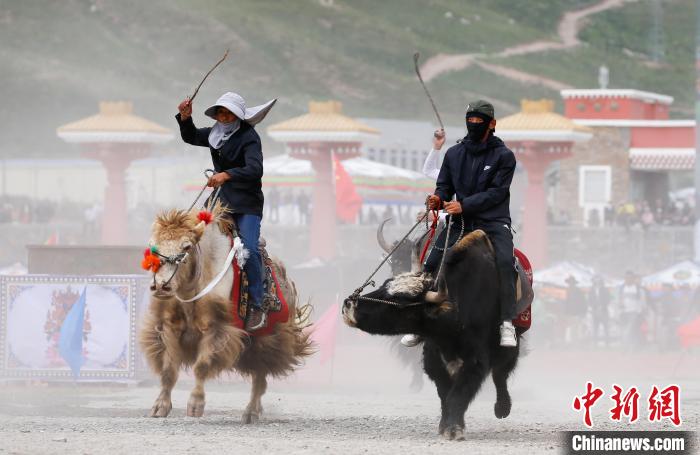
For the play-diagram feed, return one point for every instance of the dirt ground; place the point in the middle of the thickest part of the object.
(338, 409)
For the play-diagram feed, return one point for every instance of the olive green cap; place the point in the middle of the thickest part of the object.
(482, 107)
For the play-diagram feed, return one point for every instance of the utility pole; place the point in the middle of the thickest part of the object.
(658, 53)
(697, 130)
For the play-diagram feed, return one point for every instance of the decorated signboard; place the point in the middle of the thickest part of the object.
(69, 326)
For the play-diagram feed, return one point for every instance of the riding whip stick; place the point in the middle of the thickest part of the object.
(207, 75)
(416, 56)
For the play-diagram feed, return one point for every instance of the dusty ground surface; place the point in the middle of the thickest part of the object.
(347, 411)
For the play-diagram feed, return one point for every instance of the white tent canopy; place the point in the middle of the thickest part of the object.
(683, 273)
(557, 274)
(284, 165)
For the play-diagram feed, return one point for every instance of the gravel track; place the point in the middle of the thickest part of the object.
(92, 420)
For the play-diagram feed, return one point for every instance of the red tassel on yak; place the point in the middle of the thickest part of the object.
(205, 216)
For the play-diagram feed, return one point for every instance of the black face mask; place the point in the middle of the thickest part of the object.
(476, 131)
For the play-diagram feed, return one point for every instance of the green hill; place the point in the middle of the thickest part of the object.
(61, 57)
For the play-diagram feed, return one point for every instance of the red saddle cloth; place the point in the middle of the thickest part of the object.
(524, 319)
(239, 298)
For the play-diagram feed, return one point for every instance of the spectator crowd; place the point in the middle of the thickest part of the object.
(640, 214)
(627, 315)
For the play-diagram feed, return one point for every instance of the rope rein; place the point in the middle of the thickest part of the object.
(369, 280)
(356, 294)
(210, 199)
(389, 302)
(461, 234)
(444, 252)
(181, 257)
(446, 247)
(431, 230)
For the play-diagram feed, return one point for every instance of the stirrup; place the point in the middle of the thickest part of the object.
(260, 325)
(411, 340)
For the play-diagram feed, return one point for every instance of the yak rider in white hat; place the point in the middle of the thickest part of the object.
(238, 161)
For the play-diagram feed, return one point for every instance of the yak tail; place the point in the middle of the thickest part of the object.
(304, 346)
(303, 316)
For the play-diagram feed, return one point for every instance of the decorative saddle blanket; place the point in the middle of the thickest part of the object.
(274, 303)
(524, 292)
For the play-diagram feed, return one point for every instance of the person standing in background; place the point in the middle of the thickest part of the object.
(631, 298)
(431, 166)
(303, 205)
(599, 301)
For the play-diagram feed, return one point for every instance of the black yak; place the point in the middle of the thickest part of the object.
(459, 323)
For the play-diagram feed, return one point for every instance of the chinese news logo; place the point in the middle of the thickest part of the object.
(660, 404)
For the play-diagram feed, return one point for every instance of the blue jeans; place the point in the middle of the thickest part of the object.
(249, 230)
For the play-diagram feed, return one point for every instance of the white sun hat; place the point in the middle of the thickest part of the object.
(236, 104)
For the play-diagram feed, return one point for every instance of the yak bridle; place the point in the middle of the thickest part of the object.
(176, 260)
(355, 296)
(388, 302)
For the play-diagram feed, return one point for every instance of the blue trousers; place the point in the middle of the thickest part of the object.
(249, 230)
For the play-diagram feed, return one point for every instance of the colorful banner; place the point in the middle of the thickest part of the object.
(34, 311)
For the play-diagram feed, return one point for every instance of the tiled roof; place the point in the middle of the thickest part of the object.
(113, 117)
(617, 93)
(538, 115)
(658, 159)
(323, 117)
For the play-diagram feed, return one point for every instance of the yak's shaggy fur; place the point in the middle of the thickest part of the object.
(409, 284)
(200, 335)
(460, 328)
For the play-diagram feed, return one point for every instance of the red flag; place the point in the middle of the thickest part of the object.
(690, 333)
(347, 201)
(324, 332)
(52, 240)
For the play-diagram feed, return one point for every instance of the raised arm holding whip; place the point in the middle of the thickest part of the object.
(477, 172)
(236, 153)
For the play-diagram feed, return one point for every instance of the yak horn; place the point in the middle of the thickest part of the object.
(435, 297)
(380, 236)
(415, 258)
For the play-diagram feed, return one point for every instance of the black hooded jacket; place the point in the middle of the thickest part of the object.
(241, 158)
(480, 175)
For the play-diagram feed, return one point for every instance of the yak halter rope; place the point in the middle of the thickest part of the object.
(431, 229)
(355, 295)
(215, 281)
(447, 247)
(216, 193)
(176, 260)
(180, 258)
(448, 220)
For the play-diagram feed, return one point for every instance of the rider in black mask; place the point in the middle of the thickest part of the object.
(478, 125)
(478, 172)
